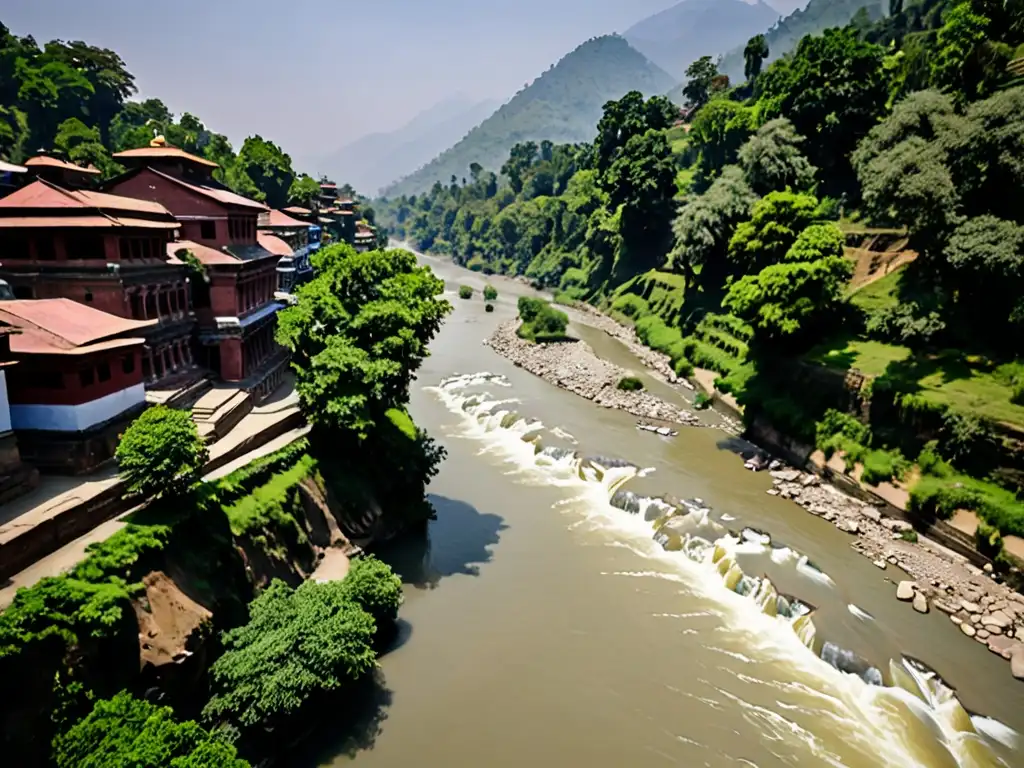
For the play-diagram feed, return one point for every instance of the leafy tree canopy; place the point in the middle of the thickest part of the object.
(772, 159)
(776, 222)
(161, 453)
(269, 168)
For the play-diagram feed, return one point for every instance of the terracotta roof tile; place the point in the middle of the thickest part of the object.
(280, 219)
(297, 210)
(44, 204)
(204, 253)
(94, 221)
(165, 152)
(52, 162)
(62, 326)
(224, 196)
(274, 244)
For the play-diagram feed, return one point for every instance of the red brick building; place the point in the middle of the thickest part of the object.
(105, 251)
(235, 305)
(77, 383)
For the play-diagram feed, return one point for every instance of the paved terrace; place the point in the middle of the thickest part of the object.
(265, 429)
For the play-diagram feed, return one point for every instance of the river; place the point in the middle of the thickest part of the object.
(543, 626)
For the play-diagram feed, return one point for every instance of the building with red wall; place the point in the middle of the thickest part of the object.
(108, 252)
(77, 384)
(294, 241)
(235, 306)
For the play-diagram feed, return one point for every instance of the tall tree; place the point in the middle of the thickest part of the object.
(773, 161)
(269, 168)
(699, 76)
(754, 54)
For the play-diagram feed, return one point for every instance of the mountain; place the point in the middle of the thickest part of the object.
(562, 105)
(373, 161)
(783, 36)
(678, 36)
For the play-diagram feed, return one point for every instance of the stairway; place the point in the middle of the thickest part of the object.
(219, 410)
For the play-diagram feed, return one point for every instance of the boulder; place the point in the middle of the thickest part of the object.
(997, 619)
(871, 514)
(945, 606)
(786, 475)
(1002, 646)
(920, 603)
(970, 607)
(905, 591)
(967, 629)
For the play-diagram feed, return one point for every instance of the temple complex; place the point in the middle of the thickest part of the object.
(77, 383)
(105, 251)
(236, 277)
(295, 241)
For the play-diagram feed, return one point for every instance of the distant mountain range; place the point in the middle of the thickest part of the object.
(783, 36)
(563, 105)
(373, 161)
(678, 36)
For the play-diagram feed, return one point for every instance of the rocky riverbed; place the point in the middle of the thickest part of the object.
(989, 612)
(575, 367)
(655, 361)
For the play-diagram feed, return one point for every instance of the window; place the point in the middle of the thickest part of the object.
(86, 377)
(88, 297)
(43, 380)
(207, 230)
(24, 292)
(128, 364)
(103, 371)
(85, 246)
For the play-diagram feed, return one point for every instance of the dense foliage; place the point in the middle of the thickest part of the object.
(540, 321)
(161, 453)
(125, 731)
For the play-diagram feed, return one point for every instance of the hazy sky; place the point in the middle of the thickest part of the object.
(313, 75)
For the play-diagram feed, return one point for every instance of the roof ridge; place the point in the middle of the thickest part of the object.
(21, 322)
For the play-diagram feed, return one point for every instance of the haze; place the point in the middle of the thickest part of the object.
(314, 76)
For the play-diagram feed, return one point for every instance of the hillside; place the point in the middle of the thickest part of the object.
(373, 161)
(562, 105)
(783, 36)
(676, 37)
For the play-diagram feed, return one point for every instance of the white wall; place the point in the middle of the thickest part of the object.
(76, 418)
(5, 408)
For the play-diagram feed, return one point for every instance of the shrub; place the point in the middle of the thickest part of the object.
(988, 540)
(880, 466)
(631, 306)
(630, 384)
(297, 645)
(374, 587)
(161, 453)
(541, 321)
(129, 731)
(465, 292)
(910, 536)
(488, 308)
(490, 293)
(702, 401)
(683, 367)
(965, 440)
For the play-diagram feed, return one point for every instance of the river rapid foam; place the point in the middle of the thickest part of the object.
(904, 715)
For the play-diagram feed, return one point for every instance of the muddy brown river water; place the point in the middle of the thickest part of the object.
(543, 626)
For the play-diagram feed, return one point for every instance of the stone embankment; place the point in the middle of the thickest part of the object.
(989, 612)
(575, 367)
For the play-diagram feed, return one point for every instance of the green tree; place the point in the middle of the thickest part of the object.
(960, 66)
(521, 157)
(772, 160)
(297, 645)
(783, 300)
(717, 133)
(775, 223)
(833, 89)
(754, 54)
(375, 588)
(699, 76)
(161, 453)
(818, 241)
(705, 225)
(625, 119)
(125, 731)
(269, 168)
(82, 145)
(137, 123)
(304, 191)
(358, 332)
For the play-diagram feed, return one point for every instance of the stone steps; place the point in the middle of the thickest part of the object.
(217, 416)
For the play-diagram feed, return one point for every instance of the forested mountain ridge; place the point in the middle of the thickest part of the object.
(373, 161)
(726, 244)
(785, 33)
(74, 98)
(562, 106)
(678, 35)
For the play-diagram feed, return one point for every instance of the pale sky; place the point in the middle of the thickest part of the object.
(312, 75)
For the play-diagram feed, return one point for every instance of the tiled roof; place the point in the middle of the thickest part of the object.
(224, 196)
(98, 220)
(328, 186)
(274, 244)
(280, 219)
(63, 326)
(297, 210)
(42, 204)
(52, 162)
(41, 194)
(204, 253)
(165, 152)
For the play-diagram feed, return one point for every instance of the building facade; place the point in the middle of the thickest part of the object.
(295, 241)
(234, 298)
(77, 384)
(108, 252)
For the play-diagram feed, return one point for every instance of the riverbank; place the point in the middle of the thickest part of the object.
(573, 366)
(932, 576)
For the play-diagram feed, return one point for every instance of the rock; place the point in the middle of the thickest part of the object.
(786, 475)
(892, 559)
(1002, 646)
(997, 619)
(775, 465)
(970, 607)
(920, 603)
(871, 514)
(1017, 662)
(905, 591)
(988, 568)
(982, 635)
(956, 620)
(773, 491)
(879, 564)
(850, 526)
(993, 629)
(967, 629)
(810, 481)
(944, 605)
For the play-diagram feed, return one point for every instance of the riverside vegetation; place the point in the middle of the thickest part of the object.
(725, 242)
(85, 656)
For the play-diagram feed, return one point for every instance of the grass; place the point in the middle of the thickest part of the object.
(267, 504)
(663, 292)
(868, 357)
(881, 294)
(465, 292)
